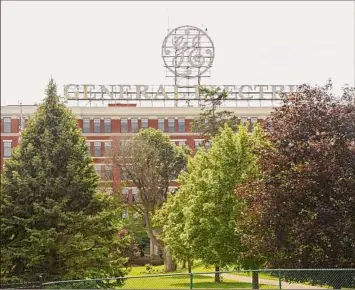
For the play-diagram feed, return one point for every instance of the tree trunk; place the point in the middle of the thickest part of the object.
(255, 280)
(169, 264)
(151, 248)
(217, 277)
(183, 264)
(189, 266)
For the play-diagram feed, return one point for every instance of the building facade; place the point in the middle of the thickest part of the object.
(100, 125)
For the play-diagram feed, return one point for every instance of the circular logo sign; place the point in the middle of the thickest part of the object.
(188, 51)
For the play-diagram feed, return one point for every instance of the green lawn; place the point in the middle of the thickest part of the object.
(182, 281)
(199, 281)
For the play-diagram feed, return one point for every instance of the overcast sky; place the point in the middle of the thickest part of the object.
(120, 43)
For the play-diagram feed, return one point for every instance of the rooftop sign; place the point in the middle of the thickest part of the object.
(188, 54)
(163, 92)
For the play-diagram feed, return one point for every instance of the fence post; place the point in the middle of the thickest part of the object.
(40, 282)
(191, 280)
(255, 279)
(279, 279)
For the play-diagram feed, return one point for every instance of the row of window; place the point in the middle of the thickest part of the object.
(134, 125)
(104, 171)
(163, 125)
(134, 193)
(99, 150)
(7, 124)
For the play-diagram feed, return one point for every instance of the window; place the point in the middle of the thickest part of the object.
(107, 123)
(89, 148)
(198, 143)
(244, 119)
(125, 146)
(171, 125)
(86, 125)
(172, 190)
(161, 126)
(7, 125)
(98, 170)
(107, 147)
(181, 143)
(254, 120)
(144, 124)
(97, 126)
(125, 213)
(97, 149)
(125, 194)
(135, 195)
(134, 125)
(124, 126)
(207, 145)
(7, 149)
(124, 174)
(109, 191)
(23, 123)
(181, 123)
(108, 172)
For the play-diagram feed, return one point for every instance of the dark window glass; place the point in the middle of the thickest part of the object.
(97, 149)
(181, 123)
(7, 125)
(97, 126)
(171, 125)
(134, 125)
(108, 126)
(86, 125)
(124, 126)
(161, 126)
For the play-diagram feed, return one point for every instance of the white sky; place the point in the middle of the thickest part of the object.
(120, 43)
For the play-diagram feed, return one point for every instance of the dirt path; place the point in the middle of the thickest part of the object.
(284, 285)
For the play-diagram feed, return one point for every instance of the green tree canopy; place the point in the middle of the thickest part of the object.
(53, 221)
(203, 213)
(301, 211)
(151, 162)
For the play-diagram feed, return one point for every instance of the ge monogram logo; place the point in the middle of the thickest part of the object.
(188, 51)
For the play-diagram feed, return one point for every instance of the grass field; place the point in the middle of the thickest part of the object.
(199, 281)
(181, 281)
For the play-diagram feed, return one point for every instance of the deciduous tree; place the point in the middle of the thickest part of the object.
(209, 204)
(301, 211)
(150, 162)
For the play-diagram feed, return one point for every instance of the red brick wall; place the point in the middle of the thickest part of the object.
(188, 124)
(15, 123)
(80, 123)
(115, 126)
(91, 126)
(153, 123)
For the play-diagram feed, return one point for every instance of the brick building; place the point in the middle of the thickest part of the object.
(101, 124)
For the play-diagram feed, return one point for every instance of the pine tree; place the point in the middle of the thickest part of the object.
(53, 221)
(212, 116)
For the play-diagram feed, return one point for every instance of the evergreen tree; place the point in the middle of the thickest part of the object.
(212, 117)
(53, 221)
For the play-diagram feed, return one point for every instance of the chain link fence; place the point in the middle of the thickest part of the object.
(237, 279)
